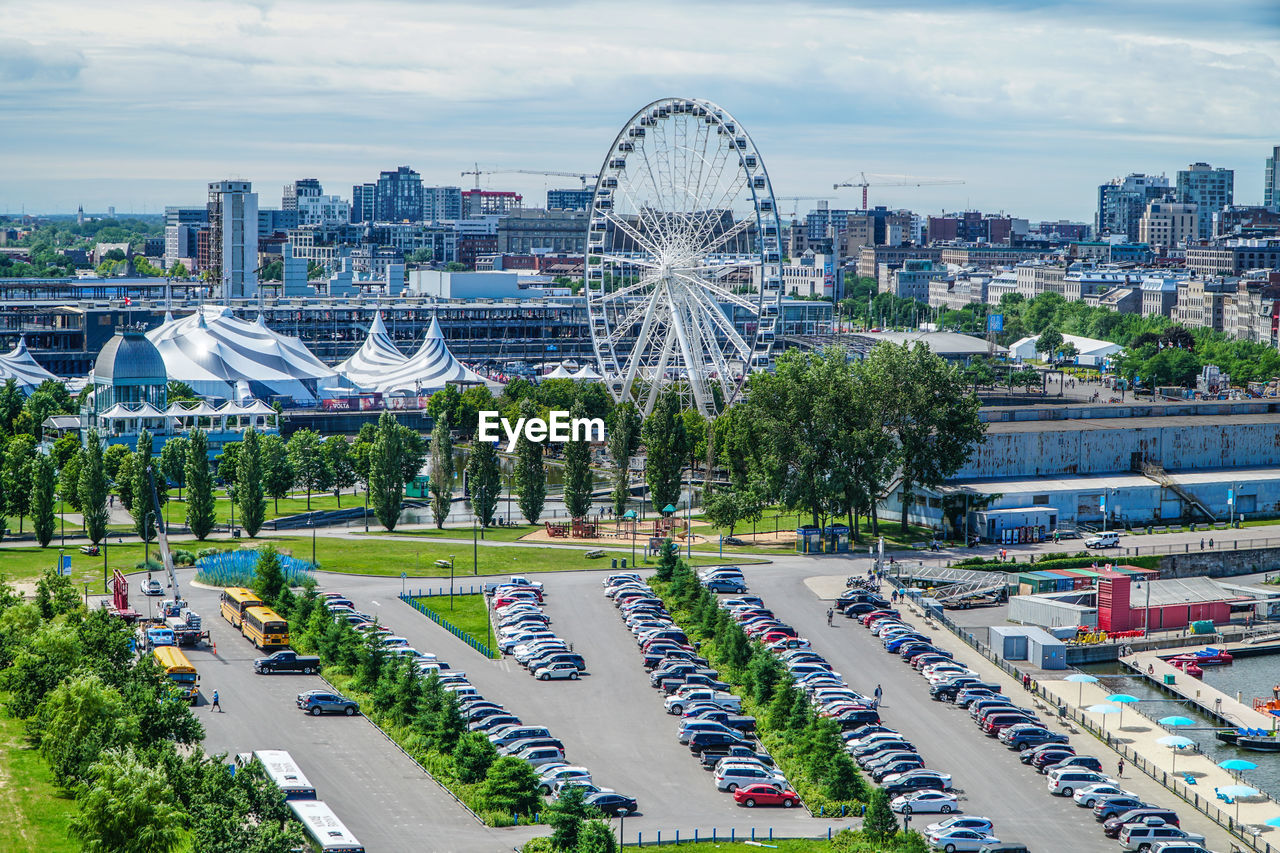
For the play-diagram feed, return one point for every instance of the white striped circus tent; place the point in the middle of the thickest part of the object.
(430, 368)
(377, 358)
(224, 357)
(19, 365)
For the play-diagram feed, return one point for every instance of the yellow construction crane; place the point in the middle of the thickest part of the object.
(903, 181)
(477, 172)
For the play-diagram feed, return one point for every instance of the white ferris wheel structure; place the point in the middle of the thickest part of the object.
(683, 276)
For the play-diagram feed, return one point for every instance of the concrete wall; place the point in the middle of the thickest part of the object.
(1067, 450)
(1220, 564)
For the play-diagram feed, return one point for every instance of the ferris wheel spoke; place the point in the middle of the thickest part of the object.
(657, 379)
(623, 260)
(726, 295)
(723, 323)
(725, 236)
(645, 282)
(631, 232)
(693, 368)
(624, 325)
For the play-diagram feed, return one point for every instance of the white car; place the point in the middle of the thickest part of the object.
(926, 802)
(151, 587)
(548, 780)
(1089, 795)
(981, 824)
(957, 840)
(557, 670)
(731, 777)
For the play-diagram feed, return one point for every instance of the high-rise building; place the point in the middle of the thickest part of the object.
(300, 188)
(233, 238)
(1209, 189)
(487, 202)
(569, 199)
(398, 197)
(181, 227)
(439, 203)
(1122, 201)
(1168, 223)
(322, 210)
(362, 202)
(1271, 181)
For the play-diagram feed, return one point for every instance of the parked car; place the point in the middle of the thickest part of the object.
(1109, 807)
(317, 702)
(1109, 539)
(558, 670)
(287, 660)
(700, 741)
(1079, 762)
(907, 783)
(981, 824)
(612, 803)
(725, 584)
(713, 755)
(1111, 826)
(1144, 836)
(731, 777)
(1088, 796)
(677, 703)
(765, 795)
(922, 802)
(1065, 782)
(957, 840)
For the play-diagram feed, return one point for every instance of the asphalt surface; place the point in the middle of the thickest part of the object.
(992, 781)
(610, 720)
(379, 793)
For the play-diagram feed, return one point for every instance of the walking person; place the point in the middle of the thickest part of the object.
(214, 706)
(1120, 767)
(830, 615)
(878, 694)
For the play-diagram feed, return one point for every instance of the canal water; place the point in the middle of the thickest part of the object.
(1250, 677)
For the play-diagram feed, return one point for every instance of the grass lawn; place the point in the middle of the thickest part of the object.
(28, 562)
(417, 558)
(469, 613)
(775, 519)
(35, 814)
(509, 533)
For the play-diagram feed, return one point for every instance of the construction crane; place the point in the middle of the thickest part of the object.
(477, 172)
(903, 181)
(795, 201)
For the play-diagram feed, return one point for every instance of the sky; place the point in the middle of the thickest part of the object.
(1032, 103)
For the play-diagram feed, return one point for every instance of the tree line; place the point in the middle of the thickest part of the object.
(120, 741)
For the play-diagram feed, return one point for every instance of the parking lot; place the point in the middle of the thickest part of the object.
(378, 792)
(610, 720)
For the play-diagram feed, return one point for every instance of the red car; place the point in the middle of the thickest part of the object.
(765, 795)
(774, 634)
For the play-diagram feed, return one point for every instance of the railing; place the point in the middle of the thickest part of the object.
(1219, 544)
(715, 834)
(445, 623)
(1179, 788)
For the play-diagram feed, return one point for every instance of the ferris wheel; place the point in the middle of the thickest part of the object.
(683, 273)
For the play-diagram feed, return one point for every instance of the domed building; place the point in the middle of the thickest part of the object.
(127, 391)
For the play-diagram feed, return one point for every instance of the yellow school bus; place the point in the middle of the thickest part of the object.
(178, 670)
(264, 627)
(235, 600)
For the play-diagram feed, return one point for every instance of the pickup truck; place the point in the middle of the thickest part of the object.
(677, 703)
(743, 724)
(515, 580)
(287, 660)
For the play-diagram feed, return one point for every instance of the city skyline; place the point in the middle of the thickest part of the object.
(1033, 105)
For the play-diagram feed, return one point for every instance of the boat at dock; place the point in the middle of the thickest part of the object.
(1257, 740)
(1188, 666)
(1204, 657)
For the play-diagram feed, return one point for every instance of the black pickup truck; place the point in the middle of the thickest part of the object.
(287, 660)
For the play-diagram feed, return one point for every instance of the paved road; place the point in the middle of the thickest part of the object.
(610, 720)
(993, 782)
(382, 796)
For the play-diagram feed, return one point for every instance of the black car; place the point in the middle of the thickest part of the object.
(854, 609)
(1030, 754)
(857, 717)
(693, 679)
(287, 660)
(913, 783)
(712, 754)
(493, 722)
(658, 659)
(902, 765)
(557, 656)
(1035, 737)
(1112, 825)
(1113, 806)
(612, 804)
(733, 721)
(698, 741)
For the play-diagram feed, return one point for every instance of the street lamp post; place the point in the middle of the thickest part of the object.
(451, 582)
(311, 522)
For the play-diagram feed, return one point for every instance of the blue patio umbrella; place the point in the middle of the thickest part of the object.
(1103, 708)
(1237, 764)
(1176, 721)
(1177, 742)
(1082, 679)
(1122, 699)
(1275, 821)
(1235, 792)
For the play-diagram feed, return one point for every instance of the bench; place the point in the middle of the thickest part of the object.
(595, 554)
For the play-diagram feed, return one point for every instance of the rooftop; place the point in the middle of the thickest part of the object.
(1178, 591)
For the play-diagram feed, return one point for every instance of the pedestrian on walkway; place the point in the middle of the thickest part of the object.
(1210, 542)
(214, 706)
(1120, 767)
(1201, 544)
(878, 694)
(830, 615)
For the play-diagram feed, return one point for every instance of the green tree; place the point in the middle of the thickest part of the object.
(42, 499)
(1049, 343)
(566, 817)
(310, 465)
(75, 723)
(19, 475)
(249, 492)
(668, 561)
(667, 448)
(596, 837)
(337, 451)
(578, 479)
(180, 392)
(413, 453)
(473, 756)
(386, 474)
(530, 472)
(927, 411)
(441, 471)
(143, 483)
(511, 787)
(173, 461)
(56, 595)
(113, 458)
(879, 824)
(228, 462)
(277, 471)
(92, 490)
(484, 481)
(128, 807)
(69, 479)
(623, 441)
(201, 512)
(10, 406)
(268, 575)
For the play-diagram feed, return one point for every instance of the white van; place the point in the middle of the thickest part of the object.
(1110, 539)
(1067, 781)
(1141, 836)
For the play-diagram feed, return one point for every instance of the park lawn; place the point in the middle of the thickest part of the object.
(293, 505)
(388, 557)
(36, 816)
(775, 519)
(29, 562)
(508, 533)
(468, 613)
